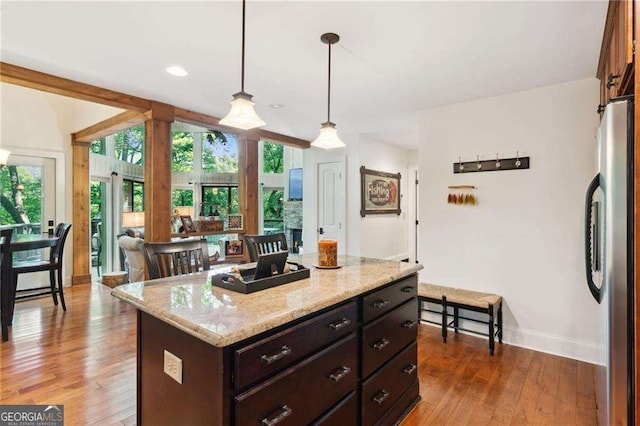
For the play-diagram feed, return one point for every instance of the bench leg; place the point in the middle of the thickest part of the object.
(444, 319)
(500, 323)
(491, 332)
(455, 318)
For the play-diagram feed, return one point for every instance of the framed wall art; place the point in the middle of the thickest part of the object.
(379, 192)
(235, 222)
(233, 248)
(187, 224)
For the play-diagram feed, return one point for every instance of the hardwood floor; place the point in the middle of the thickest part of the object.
(86, 359)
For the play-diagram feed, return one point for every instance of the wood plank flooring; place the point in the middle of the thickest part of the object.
(86, 359)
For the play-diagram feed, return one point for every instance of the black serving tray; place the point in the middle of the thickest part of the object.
(248, 285)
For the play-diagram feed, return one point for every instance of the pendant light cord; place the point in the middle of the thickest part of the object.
(329, 88)
(242, 72)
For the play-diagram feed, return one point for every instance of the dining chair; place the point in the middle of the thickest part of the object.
(53, 265)
(96, 251)
(176, 258)
(262, 244)
(5, 280)
(131, 247)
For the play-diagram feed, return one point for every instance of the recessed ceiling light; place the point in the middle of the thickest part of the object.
(276, 106)
(177, 70)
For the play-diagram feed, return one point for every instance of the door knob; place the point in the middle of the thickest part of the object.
(321, 231)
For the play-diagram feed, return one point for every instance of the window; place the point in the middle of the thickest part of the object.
(132, 196)
(99, 146)
(129, 145)
(273, 156)
(219, 152)
(224, 199)
(273, 210)
(182, 152)
(182, 197)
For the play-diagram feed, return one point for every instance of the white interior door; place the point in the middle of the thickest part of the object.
(331, 195)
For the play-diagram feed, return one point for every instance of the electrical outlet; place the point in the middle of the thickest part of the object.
(173, 366)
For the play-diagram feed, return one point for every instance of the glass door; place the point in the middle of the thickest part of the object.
(100, 220)
(28, 204)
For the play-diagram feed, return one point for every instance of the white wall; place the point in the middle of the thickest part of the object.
(36, 123)
(524, 240)
(381, 236)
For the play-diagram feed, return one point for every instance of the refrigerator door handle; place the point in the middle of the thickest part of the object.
(588, 250)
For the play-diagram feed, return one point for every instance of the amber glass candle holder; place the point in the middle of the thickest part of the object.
(327, 253)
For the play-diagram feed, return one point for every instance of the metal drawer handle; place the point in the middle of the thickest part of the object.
(270, 359)
(409, 368)
(339, 374)
(285, 412)
(379, 397)
(380, 344)
(408, 289)
(380, 304)
(338, 325)
(409, 324)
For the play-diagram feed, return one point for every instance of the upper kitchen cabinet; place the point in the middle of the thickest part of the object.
(615, 68)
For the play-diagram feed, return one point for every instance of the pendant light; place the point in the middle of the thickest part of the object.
(242, 114)
(328, 137)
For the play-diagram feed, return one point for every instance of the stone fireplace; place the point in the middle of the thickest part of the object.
(293, 225)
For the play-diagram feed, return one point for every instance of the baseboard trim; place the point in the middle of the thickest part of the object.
(566, 347)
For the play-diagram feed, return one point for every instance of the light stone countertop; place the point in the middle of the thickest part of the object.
(222, 317)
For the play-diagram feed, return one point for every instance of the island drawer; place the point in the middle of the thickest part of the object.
(258, 360)
(385, 336)
(384, 388)
(302, 393)
(384, 300)
(344, 413)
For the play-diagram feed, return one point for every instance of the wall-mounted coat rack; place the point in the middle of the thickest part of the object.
(517, 163)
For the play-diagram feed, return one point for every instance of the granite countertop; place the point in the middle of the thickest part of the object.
(222, 317)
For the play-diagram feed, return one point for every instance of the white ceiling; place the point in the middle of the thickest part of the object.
(393, 59)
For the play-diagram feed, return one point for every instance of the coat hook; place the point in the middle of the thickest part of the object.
(461, 166)
(518, 162)
(479, 166)
(498, 161)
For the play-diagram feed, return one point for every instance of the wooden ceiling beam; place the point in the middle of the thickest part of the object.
(31, 79)
(117, 123)
(198, 119)
(61, 86)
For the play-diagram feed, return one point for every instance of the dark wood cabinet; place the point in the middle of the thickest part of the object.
(615, 67)
(352, 363)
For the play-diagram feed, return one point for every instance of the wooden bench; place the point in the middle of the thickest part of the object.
(486, 303)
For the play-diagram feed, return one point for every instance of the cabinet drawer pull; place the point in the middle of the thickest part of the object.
(337, 375)
(379, 397)
(379, 304)
(409, 368)
(409, 324)
(408, 289)
(270, 359)
(285, 412)
(380, 344)
(340, 324)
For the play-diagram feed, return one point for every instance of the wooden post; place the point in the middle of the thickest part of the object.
(248, 186)
(81, 228)
(157, 172)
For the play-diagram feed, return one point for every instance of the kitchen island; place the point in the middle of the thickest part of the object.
(336, 348)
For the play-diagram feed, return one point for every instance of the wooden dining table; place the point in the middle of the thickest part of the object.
(19, 242)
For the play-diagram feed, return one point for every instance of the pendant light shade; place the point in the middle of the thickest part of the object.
(328, 137)
(242, 115)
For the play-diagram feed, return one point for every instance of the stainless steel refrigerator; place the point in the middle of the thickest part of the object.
(609, 260)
